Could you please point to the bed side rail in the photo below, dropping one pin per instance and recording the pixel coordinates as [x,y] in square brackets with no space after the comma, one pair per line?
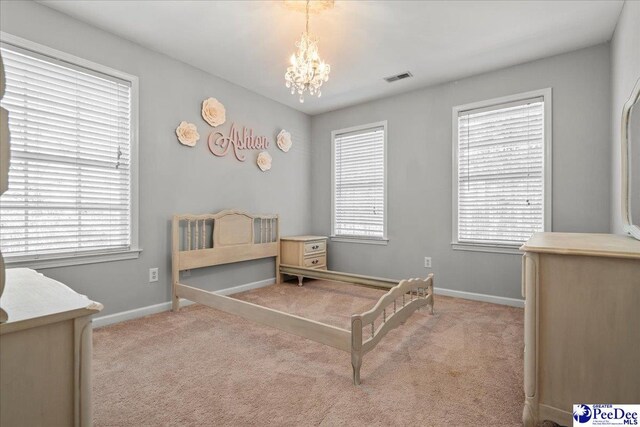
[392,309]
[310,329]
[354,279]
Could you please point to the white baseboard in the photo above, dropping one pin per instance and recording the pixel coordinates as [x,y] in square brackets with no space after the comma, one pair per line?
[513,302]
[111,319]
[247,287]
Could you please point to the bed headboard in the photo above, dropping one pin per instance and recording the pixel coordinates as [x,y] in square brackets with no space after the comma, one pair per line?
[222,238]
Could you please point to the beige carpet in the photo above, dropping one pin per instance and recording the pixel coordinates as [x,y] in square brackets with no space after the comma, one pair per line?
[202,367]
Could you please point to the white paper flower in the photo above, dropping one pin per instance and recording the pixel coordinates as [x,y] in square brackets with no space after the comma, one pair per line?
[187,134]
[284,140]
[264,161]
[213,112]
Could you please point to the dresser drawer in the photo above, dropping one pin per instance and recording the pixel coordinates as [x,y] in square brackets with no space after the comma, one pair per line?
[317,246]
[315,261]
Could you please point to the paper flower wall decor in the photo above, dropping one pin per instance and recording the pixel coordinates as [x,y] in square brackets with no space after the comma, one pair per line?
[187,134]
[264,161]
[284,140]
[213,112]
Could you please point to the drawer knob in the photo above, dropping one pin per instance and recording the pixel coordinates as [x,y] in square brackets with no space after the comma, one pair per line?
[315,261]
[315,247]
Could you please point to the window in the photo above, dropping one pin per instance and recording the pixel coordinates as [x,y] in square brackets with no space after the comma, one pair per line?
[502,171]
[359,183]
[72,174]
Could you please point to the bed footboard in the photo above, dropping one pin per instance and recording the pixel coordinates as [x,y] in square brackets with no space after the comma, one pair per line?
[393,309]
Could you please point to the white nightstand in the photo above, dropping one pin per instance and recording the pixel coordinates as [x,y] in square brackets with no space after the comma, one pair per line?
[304,251]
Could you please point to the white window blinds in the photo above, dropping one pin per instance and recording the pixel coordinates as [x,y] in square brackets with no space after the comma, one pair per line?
[501,173]
[69,180]
[359,183]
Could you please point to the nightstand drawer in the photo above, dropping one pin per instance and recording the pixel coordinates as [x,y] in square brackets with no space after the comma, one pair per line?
[315,261]
[317,246]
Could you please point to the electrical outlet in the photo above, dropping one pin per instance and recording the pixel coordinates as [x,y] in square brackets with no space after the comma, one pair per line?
[427,262]
[153,274]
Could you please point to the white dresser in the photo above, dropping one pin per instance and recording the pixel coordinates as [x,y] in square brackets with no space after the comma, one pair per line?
[582,323]
[45,352]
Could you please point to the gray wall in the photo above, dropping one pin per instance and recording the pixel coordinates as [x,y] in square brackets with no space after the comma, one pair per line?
[174,178]
[419,170]
[625,71]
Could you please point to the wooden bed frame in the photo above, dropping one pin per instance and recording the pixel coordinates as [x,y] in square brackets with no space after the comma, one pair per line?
[233,236]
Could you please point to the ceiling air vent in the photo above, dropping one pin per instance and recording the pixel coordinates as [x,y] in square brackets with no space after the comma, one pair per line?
[397,77]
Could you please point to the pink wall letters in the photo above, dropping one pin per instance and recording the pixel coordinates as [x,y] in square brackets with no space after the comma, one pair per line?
[219,145]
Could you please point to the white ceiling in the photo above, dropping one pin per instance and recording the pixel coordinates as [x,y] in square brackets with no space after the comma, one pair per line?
[249,42]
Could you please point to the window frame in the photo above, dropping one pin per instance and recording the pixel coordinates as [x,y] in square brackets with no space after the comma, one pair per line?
[547,158]
[359,239]
[90,257]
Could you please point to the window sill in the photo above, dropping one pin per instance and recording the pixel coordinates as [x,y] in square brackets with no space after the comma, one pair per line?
[478,247]
[360,240]
[69,260]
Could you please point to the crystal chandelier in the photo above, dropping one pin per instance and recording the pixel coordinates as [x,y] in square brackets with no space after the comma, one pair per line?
[307,71]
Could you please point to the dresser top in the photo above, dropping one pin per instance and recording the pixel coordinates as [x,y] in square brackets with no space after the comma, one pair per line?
[303,238]
[32,299]
[588,244]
